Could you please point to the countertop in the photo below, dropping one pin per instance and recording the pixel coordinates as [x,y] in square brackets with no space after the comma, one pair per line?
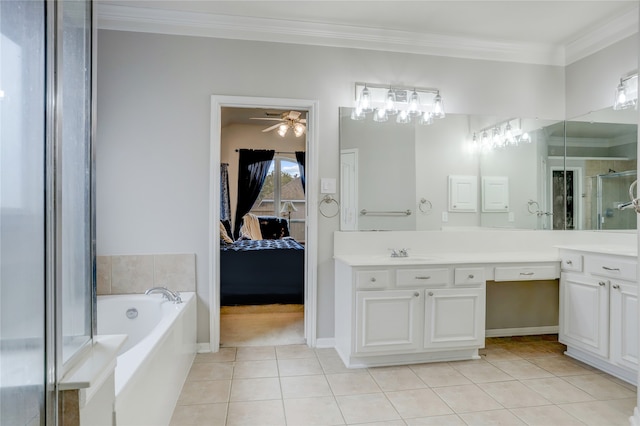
[610,249]
[449,258]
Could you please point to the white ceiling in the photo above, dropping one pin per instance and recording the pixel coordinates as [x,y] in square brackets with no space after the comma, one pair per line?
[546,29]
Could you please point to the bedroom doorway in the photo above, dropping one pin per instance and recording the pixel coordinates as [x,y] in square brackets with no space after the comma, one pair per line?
[263,285]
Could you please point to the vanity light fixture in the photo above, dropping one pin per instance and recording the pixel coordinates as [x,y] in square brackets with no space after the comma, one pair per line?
[407,104]
[500,135]
[626,95]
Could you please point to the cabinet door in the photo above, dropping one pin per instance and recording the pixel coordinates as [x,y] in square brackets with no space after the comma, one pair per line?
[388,321]
[454,318]
[624,324]
[584,313]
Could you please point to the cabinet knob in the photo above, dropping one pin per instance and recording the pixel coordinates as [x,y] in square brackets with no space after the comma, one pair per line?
[471,276]
[568,262]
[430,293]
[602,283]
[616,286]
[416,294]
[373,279]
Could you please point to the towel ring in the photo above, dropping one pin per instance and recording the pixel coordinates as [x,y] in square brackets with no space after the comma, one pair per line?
[328,199]
[530,204]
[424,202]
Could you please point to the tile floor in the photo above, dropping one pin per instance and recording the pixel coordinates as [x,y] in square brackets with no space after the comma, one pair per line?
[518,381]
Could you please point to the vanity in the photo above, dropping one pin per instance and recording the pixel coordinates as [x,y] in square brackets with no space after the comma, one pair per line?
[431,305]
[599,308]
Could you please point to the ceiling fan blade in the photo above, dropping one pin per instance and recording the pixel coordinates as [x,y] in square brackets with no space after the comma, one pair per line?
[302,120]
[294,115]
[268,129]
[268,119]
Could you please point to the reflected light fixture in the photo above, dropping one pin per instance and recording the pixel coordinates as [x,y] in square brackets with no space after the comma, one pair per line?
[626,95]
[282,129]
[500,135]
[407,104]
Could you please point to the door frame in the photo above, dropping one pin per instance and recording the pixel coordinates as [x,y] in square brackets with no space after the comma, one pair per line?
[311,177]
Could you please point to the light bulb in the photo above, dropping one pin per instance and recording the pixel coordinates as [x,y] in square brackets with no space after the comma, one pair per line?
[525,137]
[426,118]
[496,140]
[282,129]
[390,103]
[380,115]
[298,129]
[403,117]
[484,141]
[414,103]
[365,100]
[508,135]
[438,107]
[357,113]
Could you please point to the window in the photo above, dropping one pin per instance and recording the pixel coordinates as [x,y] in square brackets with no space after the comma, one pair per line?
[283,184]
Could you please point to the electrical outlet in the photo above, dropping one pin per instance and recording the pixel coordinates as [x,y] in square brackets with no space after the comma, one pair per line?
[512,217]
[445,217]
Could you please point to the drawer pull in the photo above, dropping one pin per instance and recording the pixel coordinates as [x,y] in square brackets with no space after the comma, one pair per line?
[610,269]
[430,293]
[616,286]
[568,262]
[423,278]
[416,294]
[602,283]
[526,273]
[373,279]
[470,276]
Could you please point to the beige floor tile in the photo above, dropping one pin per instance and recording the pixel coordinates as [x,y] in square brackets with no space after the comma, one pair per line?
[557,390]
[211,371]
[326,352]
[223,355]
[522,369]
[200,415]
[560,366]
[440,374]
[255,389]
[481,372]
[600,387]
[386,423]
[498,354]
[334,364]
[396,378]
[253,413]
[374,407]
[205,392]
[418,403]
[295,351]
[448,420]
[312,411]
[305,386]
[467,398]
[621,382]
[255,369]
[495,417]
[625,406]
[546,415]
[352,384]
[256,353]
[299,367]
[597,413]
[513,394]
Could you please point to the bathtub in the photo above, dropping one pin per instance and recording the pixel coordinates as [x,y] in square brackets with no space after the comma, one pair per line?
[155,360]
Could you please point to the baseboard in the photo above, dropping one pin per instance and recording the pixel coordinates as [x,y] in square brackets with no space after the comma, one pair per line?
[521,331]
[325,342]
[635,419]
[203,348]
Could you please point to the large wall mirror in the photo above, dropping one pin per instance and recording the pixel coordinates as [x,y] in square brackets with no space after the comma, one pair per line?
[549,174]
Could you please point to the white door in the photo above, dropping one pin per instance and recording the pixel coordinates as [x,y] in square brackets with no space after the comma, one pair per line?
[349,189]
[388,321]
[454,318]
[584,313]
[624,324]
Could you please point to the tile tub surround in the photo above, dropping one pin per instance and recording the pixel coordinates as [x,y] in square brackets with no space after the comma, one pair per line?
[524,381]
[125,274]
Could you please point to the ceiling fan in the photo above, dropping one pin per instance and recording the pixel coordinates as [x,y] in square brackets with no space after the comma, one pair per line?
[287,120]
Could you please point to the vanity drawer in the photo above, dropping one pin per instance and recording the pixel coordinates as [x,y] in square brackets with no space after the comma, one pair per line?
[526,273]
[468,276]
[422,277]
[610,267]
[571,261]
[373,279]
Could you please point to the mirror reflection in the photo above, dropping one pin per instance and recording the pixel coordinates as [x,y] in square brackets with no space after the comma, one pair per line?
[492,172]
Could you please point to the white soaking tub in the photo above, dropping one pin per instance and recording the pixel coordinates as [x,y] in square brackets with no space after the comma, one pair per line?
[155,360]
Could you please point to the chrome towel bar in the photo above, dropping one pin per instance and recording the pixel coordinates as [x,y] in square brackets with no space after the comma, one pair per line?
[365,212]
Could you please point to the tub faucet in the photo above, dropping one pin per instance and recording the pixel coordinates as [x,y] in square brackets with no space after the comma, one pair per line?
[172,296]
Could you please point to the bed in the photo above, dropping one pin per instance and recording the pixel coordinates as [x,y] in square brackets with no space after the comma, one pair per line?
[261,272]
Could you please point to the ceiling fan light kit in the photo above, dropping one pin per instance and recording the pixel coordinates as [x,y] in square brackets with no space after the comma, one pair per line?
[405,104]
[289,120]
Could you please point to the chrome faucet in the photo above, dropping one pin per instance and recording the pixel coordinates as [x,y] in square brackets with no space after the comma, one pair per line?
[399,253]
[172,296]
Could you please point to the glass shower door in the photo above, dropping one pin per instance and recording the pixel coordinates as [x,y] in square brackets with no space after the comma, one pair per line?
[613,189]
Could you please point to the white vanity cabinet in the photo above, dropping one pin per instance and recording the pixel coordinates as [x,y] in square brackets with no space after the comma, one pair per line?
[599,311]
[408,313]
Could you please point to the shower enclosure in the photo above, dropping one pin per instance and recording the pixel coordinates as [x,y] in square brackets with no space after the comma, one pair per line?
[46,215]
[609,190]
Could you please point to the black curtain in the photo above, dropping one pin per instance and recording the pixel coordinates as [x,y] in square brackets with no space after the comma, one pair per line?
[300,155]
[225,201]
[253,166]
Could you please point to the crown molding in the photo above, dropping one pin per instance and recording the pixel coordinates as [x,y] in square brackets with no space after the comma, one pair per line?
[605,35]
[138,19]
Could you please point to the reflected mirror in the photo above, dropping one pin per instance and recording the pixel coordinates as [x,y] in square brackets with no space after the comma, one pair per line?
[511,175]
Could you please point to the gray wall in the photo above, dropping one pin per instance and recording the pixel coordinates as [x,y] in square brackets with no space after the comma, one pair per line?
[154,121]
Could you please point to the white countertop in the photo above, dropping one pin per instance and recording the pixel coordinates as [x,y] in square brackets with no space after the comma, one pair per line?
[449,258]
[610,249]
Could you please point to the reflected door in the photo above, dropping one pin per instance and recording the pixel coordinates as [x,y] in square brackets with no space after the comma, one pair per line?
[613,189]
